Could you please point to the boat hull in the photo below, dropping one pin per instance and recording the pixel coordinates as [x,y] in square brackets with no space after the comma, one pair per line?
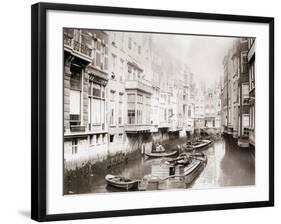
[130,184]
[204,144]
[189,179]
[160,154]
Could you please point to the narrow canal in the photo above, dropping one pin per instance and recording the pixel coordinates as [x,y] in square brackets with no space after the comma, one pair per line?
[228,165]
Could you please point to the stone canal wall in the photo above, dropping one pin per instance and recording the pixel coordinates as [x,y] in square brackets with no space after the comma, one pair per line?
[115,153]
[121,151]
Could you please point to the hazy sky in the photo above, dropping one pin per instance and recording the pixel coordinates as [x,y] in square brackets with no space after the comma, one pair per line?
[203,54]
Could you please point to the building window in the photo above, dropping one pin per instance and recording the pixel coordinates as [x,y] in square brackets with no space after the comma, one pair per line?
[111,138]
[75,102]
[93,140]
[113,39]
[245,93]
[121,76]
[252,117]
[130,43]
[98,139]
[113,66]
[100,54]
[252,75]
[135,47]
[139,109]
[104,136]
[74,146]
[131,116]
[112,108]
[120,136]
[75,81]
[244,62]
[139,49]
[148,109]
[189,112]
[245,124]
[96,104]
[131,98]
[131,113]
[120,108]
[75,98]
[96,90]
[113,60]
[140,98]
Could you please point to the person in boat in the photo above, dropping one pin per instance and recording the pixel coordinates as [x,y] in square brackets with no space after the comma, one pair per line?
[153,147]
[182,159]
[159,148]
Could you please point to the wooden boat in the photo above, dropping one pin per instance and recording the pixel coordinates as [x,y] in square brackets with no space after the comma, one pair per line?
[199,156]
[192,168]
[197,145]
[161,154]
[186,168]
[185,158]
[121,182]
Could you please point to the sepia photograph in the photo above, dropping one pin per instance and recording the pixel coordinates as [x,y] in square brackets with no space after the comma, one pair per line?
[157,111]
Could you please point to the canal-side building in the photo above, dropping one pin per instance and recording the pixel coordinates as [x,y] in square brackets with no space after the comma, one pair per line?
[199,111]
[188,103]
[119,96]
[212,122]
[243,88]
[235,92]
[85,80]
[117,99]
[130,92]
[251,65]
[159,100]
[224,96]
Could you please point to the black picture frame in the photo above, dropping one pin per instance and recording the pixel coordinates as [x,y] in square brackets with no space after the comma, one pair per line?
[39,108]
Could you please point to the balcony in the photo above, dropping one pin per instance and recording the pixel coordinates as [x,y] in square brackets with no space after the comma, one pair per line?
[138,85]
[154,128]
[77,128]
[97,128]
[177,126]
[77,49]
[137,128]
[164,124]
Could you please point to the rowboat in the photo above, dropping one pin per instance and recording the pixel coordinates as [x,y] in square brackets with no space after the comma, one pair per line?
[161,154]
[121,182]
[197,145]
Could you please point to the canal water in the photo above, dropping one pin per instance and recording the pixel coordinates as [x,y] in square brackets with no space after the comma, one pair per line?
[228,165]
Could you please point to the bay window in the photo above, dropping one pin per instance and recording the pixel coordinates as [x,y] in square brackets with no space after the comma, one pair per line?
[96,104]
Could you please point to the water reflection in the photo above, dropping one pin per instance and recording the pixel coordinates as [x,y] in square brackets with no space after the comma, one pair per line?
[227,165]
